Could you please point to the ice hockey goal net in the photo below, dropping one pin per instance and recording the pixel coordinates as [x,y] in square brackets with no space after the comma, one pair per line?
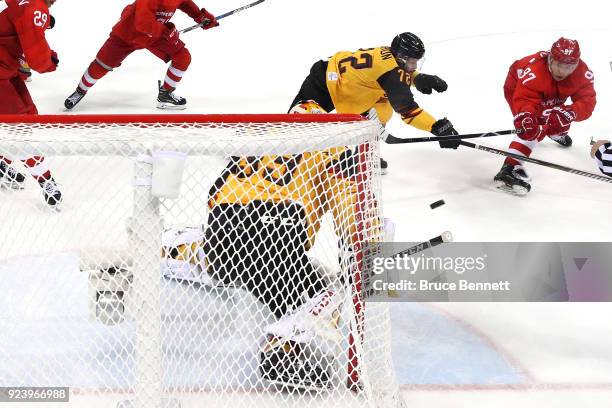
[133,296]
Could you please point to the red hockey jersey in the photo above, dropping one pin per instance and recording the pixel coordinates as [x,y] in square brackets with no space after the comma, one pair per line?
[142,22]
[530,87]
[22,32]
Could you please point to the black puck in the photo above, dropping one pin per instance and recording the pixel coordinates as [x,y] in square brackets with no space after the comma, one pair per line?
[437,204]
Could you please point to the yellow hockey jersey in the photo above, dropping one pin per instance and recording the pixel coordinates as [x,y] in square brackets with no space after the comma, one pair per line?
[316,180]
[370,78]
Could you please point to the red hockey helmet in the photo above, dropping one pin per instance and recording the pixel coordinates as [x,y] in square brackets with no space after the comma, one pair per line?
[565,51]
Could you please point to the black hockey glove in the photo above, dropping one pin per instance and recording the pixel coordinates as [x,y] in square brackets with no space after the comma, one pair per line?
[443,127]
[54,58]
[425,83]
[51,22]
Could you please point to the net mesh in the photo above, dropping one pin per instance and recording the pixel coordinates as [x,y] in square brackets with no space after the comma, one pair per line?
[244,287]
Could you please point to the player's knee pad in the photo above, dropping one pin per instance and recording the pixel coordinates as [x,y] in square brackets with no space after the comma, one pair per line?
[308,106]
[181,59]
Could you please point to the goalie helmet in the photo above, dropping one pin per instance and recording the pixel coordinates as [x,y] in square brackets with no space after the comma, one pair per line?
[407,45]
[565,51]
[308,106]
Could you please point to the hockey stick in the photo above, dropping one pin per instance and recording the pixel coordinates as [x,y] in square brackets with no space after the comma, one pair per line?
[537,161]
[397,140]
[446,236]
[219,17]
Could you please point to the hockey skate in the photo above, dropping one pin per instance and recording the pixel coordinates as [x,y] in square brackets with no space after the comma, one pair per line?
[383,166]
[11,178]
[285,364]
[75,98]
[51,193]
[168,100]
[513,179]
[563,139]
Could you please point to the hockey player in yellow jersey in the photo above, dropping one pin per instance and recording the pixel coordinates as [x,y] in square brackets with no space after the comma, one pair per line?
[264,214]
[380,79]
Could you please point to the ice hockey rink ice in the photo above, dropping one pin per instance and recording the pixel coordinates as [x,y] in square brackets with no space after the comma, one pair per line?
[445,355]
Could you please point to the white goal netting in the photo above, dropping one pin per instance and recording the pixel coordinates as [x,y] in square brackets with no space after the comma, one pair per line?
[236,281]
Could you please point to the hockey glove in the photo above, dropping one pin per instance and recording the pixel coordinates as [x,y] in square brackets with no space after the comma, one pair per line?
[444,127]
[528,128]
[208,19]
[559,119]
[171,34]
[54,59]
[51,22]
[425,83]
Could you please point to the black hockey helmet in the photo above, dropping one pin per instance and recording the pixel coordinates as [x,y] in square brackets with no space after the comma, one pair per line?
[407,45]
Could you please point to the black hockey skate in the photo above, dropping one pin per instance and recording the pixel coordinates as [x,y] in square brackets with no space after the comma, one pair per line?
[168,100]
[383,166]
[10,178]
[284,364]
[51,193]
[513,179]
[75,98]
[563,139]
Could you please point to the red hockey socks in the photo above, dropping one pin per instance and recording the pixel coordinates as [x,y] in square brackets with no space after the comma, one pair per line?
[180,63]
[94,72]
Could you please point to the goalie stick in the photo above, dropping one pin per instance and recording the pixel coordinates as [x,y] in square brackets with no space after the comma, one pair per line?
[398,140]
[537,161]
[446,236]
[219,17]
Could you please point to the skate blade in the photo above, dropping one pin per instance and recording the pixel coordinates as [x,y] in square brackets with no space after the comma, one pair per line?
[514,190]
[169,106]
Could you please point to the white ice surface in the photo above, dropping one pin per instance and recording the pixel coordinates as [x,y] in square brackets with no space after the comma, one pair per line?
[447,355]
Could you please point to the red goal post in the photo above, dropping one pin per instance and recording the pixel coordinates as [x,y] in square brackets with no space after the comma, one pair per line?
[110,217]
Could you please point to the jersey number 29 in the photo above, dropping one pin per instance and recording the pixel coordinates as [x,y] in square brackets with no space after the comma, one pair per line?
[40,18]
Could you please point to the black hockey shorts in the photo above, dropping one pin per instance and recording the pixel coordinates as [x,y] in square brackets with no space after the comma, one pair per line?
[315,88]
[261,246]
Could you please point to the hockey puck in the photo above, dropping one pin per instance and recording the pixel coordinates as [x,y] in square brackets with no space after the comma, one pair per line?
[437,204]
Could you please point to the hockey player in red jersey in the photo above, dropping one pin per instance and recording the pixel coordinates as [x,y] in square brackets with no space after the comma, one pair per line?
[537,89]
[22,38]
[146,24]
